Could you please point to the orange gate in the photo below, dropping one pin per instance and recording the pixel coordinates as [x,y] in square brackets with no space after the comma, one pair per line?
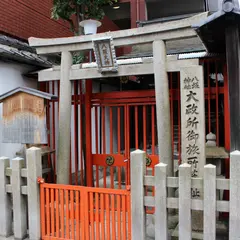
[117,131]
[74,212]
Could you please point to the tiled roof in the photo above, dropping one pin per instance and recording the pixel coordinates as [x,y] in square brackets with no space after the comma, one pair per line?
[15,50]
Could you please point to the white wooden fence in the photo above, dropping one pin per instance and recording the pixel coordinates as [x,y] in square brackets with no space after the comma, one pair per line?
[19,196]
[209,204]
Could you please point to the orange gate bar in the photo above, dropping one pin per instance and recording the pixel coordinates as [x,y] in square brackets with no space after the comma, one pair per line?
[86,213]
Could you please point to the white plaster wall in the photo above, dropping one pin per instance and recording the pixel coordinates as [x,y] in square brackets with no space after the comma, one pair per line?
[11,77]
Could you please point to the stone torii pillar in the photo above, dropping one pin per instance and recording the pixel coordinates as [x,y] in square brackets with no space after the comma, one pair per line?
[162,104]
[64,127]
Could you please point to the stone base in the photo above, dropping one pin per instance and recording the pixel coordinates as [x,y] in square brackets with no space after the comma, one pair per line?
[195,235]
[221,232]
[150,225]
[197,221]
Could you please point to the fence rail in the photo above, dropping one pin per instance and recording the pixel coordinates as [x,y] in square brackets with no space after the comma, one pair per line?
[19,195]
[208,203]
[75,212]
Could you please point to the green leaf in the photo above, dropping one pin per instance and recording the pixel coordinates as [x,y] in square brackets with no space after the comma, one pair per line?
[65,9]
[78,57]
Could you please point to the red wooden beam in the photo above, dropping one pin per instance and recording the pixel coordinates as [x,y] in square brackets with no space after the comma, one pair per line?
[88,136]
[142,10]
[133,10]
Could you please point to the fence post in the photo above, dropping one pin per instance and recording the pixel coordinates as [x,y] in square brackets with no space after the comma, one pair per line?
[138,170]
[234,218]
[185,226]
[161,224]
[19,201]
[34,170]
[209,202]
[5,201]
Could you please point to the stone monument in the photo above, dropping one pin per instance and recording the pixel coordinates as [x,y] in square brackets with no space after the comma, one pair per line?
[193,130]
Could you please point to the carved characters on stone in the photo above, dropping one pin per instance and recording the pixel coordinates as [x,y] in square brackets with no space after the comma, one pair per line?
[192,116]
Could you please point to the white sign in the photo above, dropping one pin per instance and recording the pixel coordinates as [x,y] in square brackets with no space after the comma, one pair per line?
[193,121]
[105,55]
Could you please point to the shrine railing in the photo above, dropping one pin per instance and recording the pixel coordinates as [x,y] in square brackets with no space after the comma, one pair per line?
[194,195]
[19,195]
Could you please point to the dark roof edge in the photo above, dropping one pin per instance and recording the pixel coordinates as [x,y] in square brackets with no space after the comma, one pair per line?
[18,51]
[227,7]
[13,42]
[209,19]
[31,91]
[165,19]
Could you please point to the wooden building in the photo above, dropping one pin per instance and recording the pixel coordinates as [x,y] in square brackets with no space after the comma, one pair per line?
[24,116]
